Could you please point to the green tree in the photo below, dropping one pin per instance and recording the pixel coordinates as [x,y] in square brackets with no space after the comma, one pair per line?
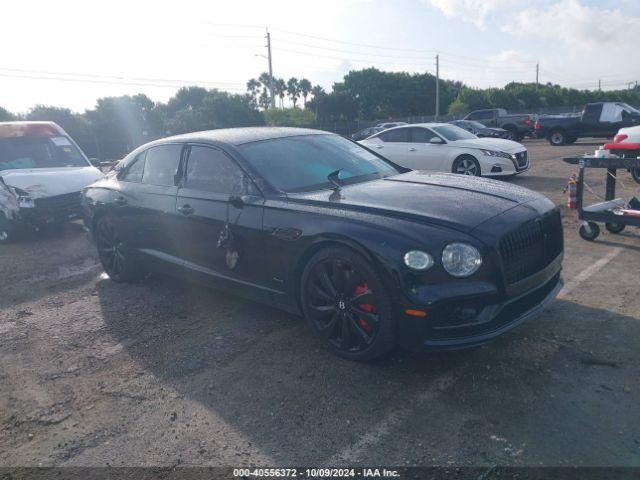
[253,88]
[293,89]
[458,108]
[5,115]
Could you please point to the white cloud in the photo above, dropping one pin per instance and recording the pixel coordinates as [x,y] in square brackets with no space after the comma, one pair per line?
[474,11]
[578,26]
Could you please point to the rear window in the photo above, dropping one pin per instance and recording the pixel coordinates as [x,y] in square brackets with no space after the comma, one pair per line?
[39,152]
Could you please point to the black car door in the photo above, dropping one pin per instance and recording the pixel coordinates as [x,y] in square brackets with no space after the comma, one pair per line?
[221,241]
[145,202]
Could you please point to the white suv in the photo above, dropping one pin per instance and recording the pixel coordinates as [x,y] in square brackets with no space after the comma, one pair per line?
[42,171]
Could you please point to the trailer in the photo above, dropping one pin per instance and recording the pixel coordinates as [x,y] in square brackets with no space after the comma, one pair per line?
[612,212]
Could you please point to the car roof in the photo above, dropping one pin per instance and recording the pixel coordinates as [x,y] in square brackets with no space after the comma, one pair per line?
[239,136]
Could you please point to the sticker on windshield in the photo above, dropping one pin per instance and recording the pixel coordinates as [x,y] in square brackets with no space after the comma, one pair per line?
[61,141]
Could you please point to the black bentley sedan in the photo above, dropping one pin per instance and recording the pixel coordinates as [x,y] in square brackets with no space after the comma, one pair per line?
[372,254]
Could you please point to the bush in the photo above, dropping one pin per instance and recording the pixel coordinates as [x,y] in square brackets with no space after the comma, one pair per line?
[289,117]
[458,108]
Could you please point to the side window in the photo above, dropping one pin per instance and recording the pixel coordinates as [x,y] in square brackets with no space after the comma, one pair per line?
[485,115]
[421,135]
[134,172]
[162,165]
[395,136]
[210,170]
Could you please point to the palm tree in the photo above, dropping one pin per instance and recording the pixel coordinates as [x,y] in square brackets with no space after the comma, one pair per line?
[317,92]
[265,79]
[293,90]
[305,88]
[280,87]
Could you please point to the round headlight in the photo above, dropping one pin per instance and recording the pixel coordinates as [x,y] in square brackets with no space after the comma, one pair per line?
[461,259]
[417,260]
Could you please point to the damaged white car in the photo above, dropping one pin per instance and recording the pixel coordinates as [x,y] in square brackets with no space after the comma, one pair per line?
[42,172]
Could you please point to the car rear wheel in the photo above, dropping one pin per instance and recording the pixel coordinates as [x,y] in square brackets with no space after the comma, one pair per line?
[557,138]
[466,165]
[116,259]
[347,305]
[512,134]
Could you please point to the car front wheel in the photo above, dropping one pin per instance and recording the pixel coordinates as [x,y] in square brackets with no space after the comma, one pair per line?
[116,259]
[347,305]
[466,165]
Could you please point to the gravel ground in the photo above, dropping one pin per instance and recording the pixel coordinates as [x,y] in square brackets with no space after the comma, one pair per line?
[166,373]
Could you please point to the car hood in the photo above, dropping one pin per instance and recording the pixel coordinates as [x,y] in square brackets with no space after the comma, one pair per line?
[48,182]
[499,144]
[453,201]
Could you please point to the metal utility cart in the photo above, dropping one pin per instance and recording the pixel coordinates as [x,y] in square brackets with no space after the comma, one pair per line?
[611,212]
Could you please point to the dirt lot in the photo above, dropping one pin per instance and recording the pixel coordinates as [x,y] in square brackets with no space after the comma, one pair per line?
[164,373]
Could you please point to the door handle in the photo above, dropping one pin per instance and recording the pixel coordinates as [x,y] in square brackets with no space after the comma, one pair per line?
[412,149]
[378,146]
[120,201]
[186,209]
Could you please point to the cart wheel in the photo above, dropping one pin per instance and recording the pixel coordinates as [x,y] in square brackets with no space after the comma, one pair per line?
[589,232]
[614,227]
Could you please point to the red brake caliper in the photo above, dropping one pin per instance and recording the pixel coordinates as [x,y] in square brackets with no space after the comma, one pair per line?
[367,307]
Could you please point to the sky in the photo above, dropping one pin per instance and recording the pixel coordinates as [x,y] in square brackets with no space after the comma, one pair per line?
[70,53]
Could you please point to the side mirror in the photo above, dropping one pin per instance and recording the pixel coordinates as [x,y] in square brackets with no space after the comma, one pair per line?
[236,201]
[435,140]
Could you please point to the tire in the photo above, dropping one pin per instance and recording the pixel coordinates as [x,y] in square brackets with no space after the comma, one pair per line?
[590,233]
[347,305]
[512,134]
[635,174]
[557,137]
[466,165]
[8,230]
[118,261]
[614,227]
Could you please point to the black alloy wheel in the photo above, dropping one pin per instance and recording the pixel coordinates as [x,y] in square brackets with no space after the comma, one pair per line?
[345,303]
[113,253]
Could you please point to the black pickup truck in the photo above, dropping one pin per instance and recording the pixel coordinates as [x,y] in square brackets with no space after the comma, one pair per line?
[517,126]
[598,120]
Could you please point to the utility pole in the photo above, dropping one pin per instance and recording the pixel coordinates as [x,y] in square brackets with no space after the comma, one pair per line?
[437,86]
[271,89]
[599,85]
[537,74]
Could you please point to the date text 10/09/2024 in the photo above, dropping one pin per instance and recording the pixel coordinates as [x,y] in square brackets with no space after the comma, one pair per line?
[315,473]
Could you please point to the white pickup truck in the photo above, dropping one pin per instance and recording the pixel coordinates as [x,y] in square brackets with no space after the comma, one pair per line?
[42,172]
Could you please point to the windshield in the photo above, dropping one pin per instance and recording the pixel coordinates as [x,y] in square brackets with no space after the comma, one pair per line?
[453,133]
[295,164]
[39,152]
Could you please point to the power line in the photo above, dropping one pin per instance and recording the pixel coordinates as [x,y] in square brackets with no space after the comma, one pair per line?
[115,77]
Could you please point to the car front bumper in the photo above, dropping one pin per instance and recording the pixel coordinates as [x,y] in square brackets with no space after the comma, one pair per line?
[441,329]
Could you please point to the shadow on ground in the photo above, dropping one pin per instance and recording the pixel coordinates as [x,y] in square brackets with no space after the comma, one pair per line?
[548,387]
